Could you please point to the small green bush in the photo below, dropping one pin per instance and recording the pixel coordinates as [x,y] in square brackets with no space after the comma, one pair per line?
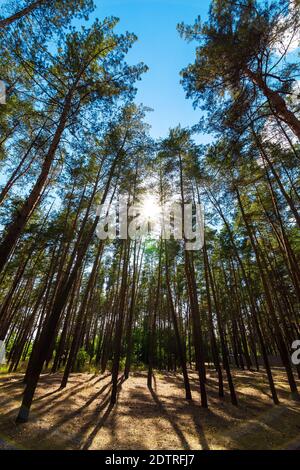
[81,360]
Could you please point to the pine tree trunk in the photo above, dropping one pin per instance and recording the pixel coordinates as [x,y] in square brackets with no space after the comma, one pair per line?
[277,103]
[15,229]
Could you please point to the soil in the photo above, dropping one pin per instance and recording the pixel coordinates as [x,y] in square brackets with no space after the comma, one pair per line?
[80,416]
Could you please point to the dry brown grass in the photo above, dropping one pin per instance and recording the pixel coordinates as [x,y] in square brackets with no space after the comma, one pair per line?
[80,417]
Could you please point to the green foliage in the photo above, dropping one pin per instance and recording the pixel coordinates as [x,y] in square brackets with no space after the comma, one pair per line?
[81,360]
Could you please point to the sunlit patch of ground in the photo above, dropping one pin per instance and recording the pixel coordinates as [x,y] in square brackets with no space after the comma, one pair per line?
[80,417]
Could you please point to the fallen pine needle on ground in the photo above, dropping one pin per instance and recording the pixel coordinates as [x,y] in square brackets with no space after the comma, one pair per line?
[80,416]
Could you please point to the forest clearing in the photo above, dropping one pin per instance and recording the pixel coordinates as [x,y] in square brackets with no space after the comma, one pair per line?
[81,417]
[149,257]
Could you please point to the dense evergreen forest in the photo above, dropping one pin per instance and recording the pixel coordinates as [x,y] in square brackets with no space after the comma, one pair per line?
[73,137]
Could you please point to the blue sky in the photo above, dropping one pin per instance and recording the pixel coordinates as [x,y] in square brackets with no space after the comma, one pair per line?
[161,48]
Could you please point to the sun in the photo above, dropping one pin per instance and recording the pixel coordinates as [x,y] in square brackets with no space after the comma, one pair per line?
[150,208]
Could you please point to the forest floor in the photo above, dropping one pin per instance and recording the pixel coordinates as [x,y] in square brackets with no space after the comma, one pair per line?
[80,416]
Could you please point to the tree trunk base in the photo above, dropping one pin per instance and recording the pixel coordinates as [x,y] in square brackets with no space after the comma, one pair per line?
[23,415]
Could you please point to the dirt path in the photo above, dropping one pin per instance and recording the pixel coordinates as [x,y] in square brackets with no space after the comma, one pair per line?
[80,417]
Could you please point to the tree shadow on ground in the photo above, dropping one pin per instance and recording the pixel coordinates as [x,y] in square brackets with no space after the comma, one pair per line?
[101,422]
[80,416]
[75,388]
[181,436]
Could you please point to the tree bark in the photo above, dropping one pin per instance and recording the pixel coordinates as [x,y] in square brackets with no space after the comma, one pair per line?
[20,14]
[15,229]
[276,101]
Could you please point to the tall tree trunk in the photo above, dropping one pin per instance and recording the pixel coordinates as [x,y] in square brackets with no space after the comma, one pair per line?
[152,326]
[214,347]
[120,322]
[221,332]
[81,319]
[254,312]
[16,228]
[280,340]
[180,349]
[131,315]
[56,310]
[277,103]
